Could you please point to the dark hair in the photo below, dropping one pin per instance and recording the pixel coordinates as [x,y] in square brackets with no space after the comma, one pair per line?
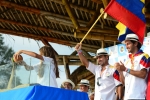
[48,51]
[139,44]
[107,56]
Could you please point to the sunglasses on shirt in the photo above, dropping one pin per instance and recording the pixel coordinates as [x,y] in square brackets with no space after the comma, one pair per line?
[98,79]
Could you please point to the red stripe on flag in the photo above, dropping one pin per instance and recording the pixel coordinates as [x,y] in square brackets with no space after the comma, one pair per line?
[116,75]
[127,18]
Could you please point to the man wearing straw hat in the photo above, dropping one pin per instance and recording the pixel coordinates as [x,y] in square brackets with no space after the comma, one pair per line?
[106,77]
[68,84]
[134,71]
[84,86]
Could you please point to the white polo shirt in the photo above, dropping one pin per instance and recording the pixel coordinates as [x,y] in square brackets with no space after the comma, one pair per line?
[108,82]
[135,88]
[49,77]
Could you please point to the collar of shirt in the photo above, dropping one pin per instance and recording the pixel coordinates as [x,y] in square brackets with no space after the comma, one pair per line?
[131,56]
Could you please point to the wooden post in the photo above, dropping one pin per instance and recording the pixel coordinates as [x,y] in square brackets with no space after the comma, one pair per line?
[66,66]
[103,44]
[114,43]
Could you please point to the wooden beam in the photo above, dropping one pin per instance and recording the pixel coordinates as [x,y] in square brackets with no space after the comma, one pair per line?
[147,15]
[105,3]
[70,13]
[66,66]
[37,11]
[114,43]
[19,7]
[75,6]
[94,17]
[97,1]
[35,27]
[74,53]
[148,22]
[86,53]
[103,44]
[70,63]
[39,37]
[62,21]
[107,31]
[82,8]
[72,57]
[96,37]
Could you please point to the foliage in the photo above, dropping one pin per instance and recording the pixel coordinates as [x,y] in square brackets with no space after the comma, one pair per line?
[6,54]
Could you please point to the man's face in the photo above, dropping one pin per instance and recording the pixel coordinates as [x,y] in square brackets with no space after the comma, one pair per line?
[130,46]
[67,85]
[102,60]
[91,97]
[84,88]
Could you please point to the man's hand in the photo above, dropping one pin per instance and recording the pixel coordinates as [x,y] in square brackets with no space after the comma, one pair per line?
[120,66]
[78,47]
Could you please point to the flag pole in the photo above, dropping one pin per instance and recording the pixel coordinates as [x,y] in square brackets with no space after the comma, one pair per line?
[92,27]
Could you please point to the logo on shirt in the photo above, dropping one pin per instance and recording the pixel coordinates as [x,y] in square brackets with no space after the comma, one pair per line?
[107,74]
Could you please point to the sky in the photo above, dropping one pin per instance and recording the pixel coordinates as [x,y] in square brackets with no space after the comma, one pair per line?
[20,43]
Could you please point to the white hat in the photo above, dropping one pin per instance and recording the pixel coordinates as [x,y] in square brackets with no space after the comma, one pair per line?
[84,82]
[69,81]
[101,52]
[132,37]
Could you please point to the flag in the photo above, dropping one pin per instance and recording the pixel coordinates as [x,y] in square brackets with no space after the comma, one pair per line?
[130,13]
[123,31]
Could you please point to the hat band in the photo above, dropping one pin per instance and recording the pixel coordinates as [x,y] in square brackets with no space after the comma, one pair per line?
[132,38]
[84,83]
[103,53]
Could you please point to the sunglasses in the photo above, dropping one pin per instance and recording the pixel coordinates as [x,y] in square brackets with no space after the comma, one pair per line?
[98,79]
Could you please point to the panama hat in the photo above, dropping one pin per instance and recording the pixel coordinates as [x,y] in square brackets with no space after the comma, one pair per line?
[84,82]
[101,52]
[69,81]
[132,37]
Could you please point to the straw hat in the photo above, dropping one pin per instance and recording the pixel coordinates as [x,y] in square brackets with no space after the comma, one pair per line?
[84,82]
[132,37]
[69,81]
[101,52]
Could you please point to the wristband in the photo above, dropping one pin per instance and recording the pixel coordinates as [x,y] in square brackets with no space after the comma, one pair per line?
[79,52]
[127,70]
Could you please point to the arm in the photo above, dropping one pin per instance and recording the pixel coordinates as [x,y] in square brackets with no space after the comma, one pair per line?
[30,53]
[121,77]
[27,67]
[81,56]
[141,73]
[119,93]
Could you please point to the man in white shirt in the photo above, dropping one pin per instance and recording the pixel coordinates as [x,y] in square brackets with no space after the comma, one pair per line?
[106,77]
[134,71]
[84,86]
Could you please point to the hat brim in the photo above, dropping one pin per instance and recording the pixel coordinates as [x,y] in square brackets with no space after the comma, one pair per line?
[100,55]
[73,85]
[123,42]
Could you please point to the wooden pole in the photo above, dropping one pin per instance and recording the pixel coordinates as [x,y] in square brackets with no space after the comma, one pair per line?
[92,27]
[66,66]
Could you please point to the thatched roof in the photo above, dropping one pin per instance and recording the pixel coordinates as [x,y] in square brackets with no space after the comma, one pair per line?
[61,21]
